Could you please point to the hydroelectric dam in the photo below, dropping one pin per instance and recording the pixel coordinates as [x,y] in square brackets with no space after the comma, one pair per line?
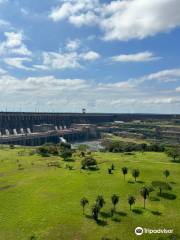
[36,128]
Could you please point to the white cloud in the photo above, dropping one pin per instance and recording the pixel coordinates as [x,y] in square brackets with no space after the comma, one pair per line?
[140,19]
[22,50]
[2,71]
[46,84]
[52,60]
[88,18]
[167,75]
[18,63]
[73,94]
[73,45]
[90,56]
[14,52]
[178,89]
[14,39]
[65,60]
[73,8]
[137,57]
[24,11]
[121,19]
[124,85]
[4,23]
[14,45]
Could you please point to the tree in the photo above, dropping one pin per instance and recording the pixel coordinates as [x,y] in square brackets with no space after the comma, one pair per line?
[131,200]
[124,171]
[173,152]
[100,201]
[33,237]
[135,173]
[115,200]
[166,173]
[43,151]
[109,170]
[82,148]
[95,212]
[88,162]
[161,185]
[83,202]
[144,193]
[112,167]
[66,153]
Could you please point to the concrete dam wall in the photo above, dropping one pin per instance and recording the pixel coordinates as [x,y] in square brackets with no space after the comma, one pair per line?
[23,128]
[16,122]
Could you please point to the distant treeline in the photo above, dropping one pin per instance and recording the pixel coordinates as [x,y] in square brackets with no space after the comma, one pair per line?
[120,146]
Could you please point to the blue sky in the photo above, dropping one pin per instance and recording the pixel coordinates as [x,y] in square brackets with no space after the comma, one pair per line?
[106,56]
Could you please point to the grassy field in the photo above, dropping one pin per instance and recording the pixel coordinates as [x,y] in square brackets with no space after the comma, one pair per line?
[44,201]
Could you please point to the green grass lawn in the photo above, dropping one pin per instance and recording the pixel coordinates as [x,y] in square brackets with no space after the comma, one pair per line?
[44,201]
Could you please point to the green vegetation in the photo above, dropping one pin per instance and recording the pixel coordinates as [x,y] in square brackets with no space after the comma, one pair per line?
[161,185]
[111,145]
[131,201]
[124,171]
[89,163]
[83,203]
[145,194]
[135,173]
[41,199]
[115,200]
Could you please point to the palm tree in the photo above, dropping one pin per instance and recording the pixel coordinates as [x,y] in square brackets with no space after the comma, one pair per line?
[100,201]
[124,171]
[115,200]
[131,200]
[161,185]
[166,173]
[83,203]
[95,212]
[112,167]
[135,173]
[144,193]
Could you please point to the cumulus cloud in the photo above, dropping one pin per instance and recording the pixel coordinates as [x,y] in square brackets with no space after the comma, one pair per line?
[46,84]
[88,18]
[178,89]
[14,39]
[2,71]
[18,63]
[73,45]
[65,60]
[136,57]
[14,52]
[167,75]
[14,44]
[132,84]
[121,19]
[21,50]
[73,8]
[91,55]
[73,94]
[53,60]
